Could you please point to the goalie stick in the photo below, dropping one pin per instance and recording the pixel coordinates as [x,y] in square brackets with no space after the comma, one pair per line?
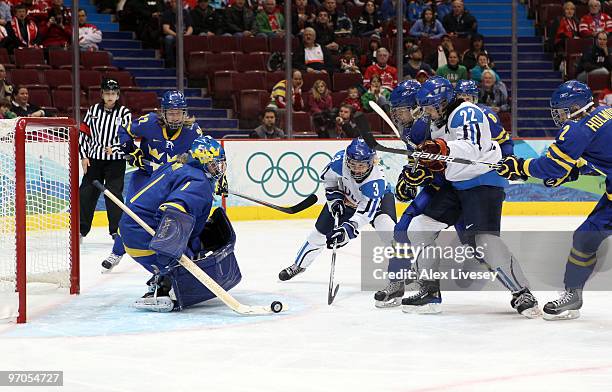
[196,271]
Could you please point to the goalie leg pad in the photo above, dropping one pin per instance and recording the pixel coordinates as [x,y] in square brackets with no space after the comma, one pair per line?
[172,233]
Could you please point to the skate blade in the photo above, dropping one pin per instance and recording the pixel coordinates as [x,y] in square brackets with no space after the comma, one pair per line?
[105,270]
[566,315]
[159,304]
[392,303]
[532,313]
[423,309]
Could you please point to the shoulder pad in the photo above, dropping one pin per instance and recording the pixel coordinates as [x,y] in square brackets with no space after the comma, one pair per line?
[336,162]
[373,189]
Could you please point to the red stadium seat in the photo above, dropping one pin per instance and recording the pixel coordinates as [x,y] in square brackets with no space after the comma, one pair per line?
[461,44]
[249,81]
[274,77]
[252,103]
[277,44]
[205,64]
[570,65]
[353,11]
[30,58]
[343,81]
[375,122]
[577,45]
[5,59]
[598,82]
[26,77]
[58,77]
[548,13]
[40,97]
[124,78]
[61,59]
[255,61]
[62,100]
[310,78]
[196,43]
[301,122]
[254,44]
[224,84]
[98,61]
[141,102]
[339,97]
[352,41]
[220,43]
[90,79]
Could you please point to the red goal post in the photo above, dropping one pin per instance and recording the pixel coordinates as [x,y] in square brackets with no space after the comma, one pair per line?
[39,206]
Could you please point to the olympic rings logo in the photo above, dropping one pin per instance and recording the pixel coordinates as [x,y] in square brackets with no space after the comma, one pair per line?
[288,161]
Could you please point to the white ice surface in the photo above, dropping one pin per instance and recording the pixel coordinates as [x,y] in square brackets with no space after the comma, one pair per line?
[478,344]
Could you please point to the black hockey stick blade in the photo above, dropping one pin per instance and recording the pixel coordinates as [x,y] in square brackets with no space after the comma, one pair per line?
[301,206]
[331,296]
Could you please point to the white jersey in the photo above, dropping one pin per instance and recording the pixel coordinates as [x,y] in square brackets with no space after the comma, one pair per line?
[468,136]
[364,196]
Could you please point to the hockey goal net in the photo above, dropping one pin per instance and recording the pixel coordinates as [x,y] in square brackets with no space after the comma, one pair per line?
[39,236]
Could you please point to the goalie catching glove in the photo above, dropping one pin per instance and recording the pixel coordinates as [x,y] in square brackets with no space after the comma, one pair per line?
[341,235]
[436,146]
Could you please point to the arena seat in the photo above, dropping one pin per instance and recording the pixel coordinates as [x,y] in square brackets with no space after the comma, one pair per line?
[58,77]
[124,78]
[311,78]
[141,101]
[272,78]
[89,78]
[26,77]
[220,43]
[255,61]
[98,61]
[223,81]
[254,44]
[338,97]
[598,82]
[30,58]
[343,81]
[61,59]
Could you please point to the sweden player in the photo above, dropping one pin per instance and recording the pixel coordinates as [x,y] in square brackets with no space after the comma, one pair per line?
[473,193]
[584,138]
[357,194]
[163,137]
[176,201]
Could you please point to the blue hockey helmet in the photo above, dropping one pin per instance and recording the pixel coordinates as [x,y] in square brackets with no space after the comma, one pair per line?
[359,159]
[570,99]
[208,154]
[467,89]
[174,108]
[436,93]
[403,101]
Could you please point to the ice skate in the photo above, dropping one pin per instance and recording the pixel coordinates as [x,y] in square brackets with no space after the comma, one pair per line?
[390,296]
[565,308]
[290,272]
[110,262]
[159,298]
[526,304]
[428,300]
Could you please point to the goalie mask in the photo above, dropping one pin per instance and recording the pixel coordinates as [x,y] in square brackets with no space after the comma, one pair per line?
[359,159]
[208,154]
[174,109]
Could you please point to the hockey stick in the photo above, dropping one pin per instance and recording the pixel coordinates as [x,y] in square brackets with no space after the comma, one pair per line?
[386,119]
[196,271]
[331,292]
[373,143]
[301,206]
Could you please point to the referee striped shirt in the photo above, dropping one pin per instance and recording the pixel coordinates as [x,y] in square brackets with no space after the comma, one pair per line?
[104,131]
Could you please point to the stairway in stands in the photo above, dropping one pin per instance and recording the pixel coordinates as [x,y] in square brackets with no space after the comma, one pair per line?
[536,78]
[150,74]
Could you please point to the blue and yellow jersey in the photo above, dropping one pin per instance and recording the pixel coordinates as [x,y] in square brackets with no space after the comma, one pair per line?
[583,142]
[173,185]
[157,143]
[498,133]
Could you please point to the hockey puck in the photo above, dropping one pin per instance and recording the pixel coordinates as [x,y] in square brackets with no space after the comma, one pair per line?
[276,306]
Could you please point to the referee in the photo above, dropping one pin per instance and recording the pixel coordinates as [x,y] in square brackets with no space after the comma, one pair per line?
[98,160]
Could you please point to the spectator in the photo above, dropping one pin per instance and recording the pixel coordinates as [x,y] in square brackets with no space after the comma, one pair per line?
[21,107]
[596,60]
[57,31]
[279,92]
[89,35]
[443,8]
[6,89]
[5,109]
[416,64]
[595,21]
[470,56]
[324,30]
[422,76]
[269,22]
[375,93]
[389,8]
[268,128]
[605,97]
[416,9]
[239,20]
[459,23]
[142,16]
[387,73]
[312,57]
[440,56]
[204,19]
[22,31]
[302,16]
[5,13]
[353,100]
[349,62]
[36,9]
[322,110]
[169,30]
[349,123]
[427,26]
[483,64]
[567,28]
[493,93]
[342,24]
[373,47]
[370,21]
[453,71]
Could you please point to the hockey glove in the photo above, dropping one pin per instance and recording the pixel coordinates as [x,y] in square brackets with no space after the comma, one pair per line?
[436,146]
[421,176]
[572,175]
[336,207]
[135,159]
[221,189]
[513,168]
[341,235]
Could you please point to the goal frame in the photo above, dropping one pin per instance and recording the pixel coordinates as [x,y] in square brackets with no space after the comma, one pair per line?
[20,205]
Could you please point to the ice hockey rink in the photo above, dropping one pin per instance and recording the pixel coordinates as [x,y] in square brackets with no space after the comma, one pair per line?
[478,343]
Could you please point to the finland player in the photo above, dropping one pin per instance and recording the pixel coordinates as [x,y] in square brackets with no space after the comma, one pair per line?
[357,194]
[473,193]
[176,201]
[163,137]
[585,137]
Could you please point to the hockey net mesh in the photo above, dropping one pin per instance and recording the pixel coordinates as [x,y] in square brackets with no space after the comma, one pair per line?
[47,177]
